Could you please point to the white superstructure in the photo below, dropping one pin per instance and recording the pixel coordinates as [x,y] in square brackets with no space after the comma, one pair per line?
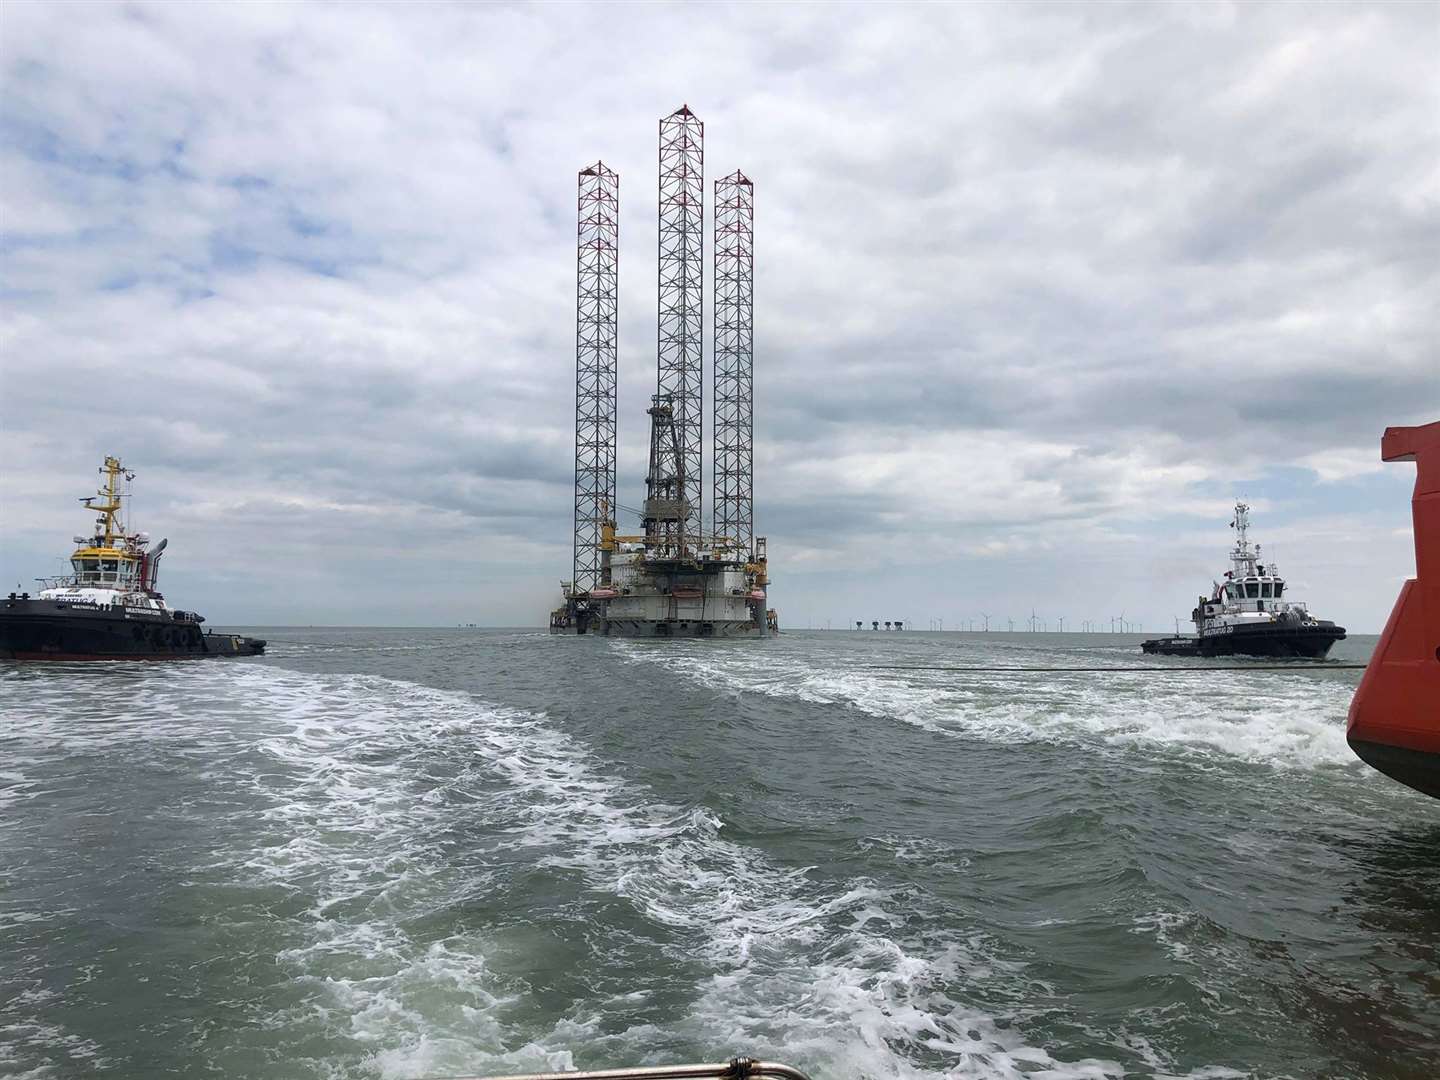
[114,568]
[1252,594]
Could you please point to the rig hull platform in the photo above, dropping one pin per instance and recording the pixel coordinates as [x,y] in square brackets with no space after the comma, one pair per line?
[648,598]
[663,629]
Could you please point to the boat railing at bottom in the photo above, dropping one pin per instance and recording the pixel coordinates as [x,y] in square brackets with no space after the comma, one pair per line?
[734,1069]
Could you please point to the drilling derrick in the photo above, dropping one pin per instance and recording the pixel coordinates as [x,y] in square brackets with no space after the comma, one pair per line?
[665,506]
[734,364]
[680,343]
[597,261]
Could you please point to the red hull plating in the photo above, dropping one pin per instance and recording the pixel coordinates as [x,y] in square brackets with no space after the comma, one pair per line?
[1395,718]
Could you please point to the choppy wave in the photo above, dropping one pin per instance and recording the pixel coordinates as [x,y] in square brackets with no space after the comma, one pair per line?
[1276,718]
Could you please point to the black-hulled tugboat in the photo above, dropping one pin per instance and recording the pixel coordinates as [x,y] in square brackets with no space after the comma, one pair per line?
[109,608]
[1248,615]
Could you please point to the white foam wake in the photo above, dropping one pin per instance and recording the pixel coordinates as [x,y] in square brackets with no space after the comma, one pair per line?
[386,804]
[826,977]
[1276,718]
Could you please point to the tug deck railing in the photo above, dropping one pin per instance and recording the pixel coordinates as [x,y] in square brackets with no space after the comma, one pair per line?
[734,1069]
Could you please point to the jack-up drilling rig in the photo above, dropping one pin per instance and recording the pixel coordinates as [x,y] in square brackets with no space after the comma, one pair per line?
[673,579]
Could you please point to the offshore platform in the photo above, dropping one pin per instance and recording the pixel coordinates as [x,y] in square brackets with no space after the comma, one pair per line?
[671,579]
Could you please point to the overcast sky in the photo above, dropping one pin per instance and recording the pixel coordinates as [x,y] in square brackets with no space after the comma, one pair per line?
[1040,290]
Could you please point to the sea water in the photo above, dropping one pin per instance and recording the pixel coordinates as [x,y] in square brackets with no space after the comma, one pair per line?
[426,853]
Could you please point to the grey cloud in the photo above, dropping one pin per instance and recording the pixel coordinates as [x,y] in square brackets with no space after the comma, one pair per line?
[1106,256]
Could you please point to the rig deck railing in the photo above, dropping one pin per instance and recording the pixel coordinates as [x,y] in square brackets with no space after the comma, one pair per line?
[734,1069]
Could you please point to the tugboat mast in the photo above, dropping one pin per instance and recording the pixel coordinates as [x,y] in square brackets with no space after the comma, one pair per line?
[1242,557]
[106,527]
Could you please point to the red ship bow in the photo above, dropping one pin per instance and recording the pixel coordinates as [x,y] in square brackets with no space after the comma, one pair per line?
[1395,718]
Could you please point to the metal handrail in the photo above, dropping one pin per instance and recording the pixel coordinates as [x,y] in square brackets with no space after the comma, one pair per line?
[734,1069]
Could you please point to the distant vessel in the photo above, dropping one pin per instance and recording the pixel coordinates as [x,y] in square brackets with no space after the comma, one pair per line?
[109,608]
[1248,615]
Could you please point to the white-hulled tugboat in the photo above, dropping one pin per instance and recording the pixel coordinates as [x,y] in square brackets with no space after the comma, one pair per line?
[109,608]
[1248,615]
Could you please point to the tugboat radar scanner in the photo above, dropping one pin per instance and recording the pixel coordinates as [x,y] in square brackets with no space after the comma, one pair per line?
[1394,721]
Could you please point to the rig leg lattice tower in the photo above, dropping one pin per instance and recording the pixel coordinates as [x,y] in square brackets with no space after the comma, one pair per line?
[734,363]
[597,262]
[680,337]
